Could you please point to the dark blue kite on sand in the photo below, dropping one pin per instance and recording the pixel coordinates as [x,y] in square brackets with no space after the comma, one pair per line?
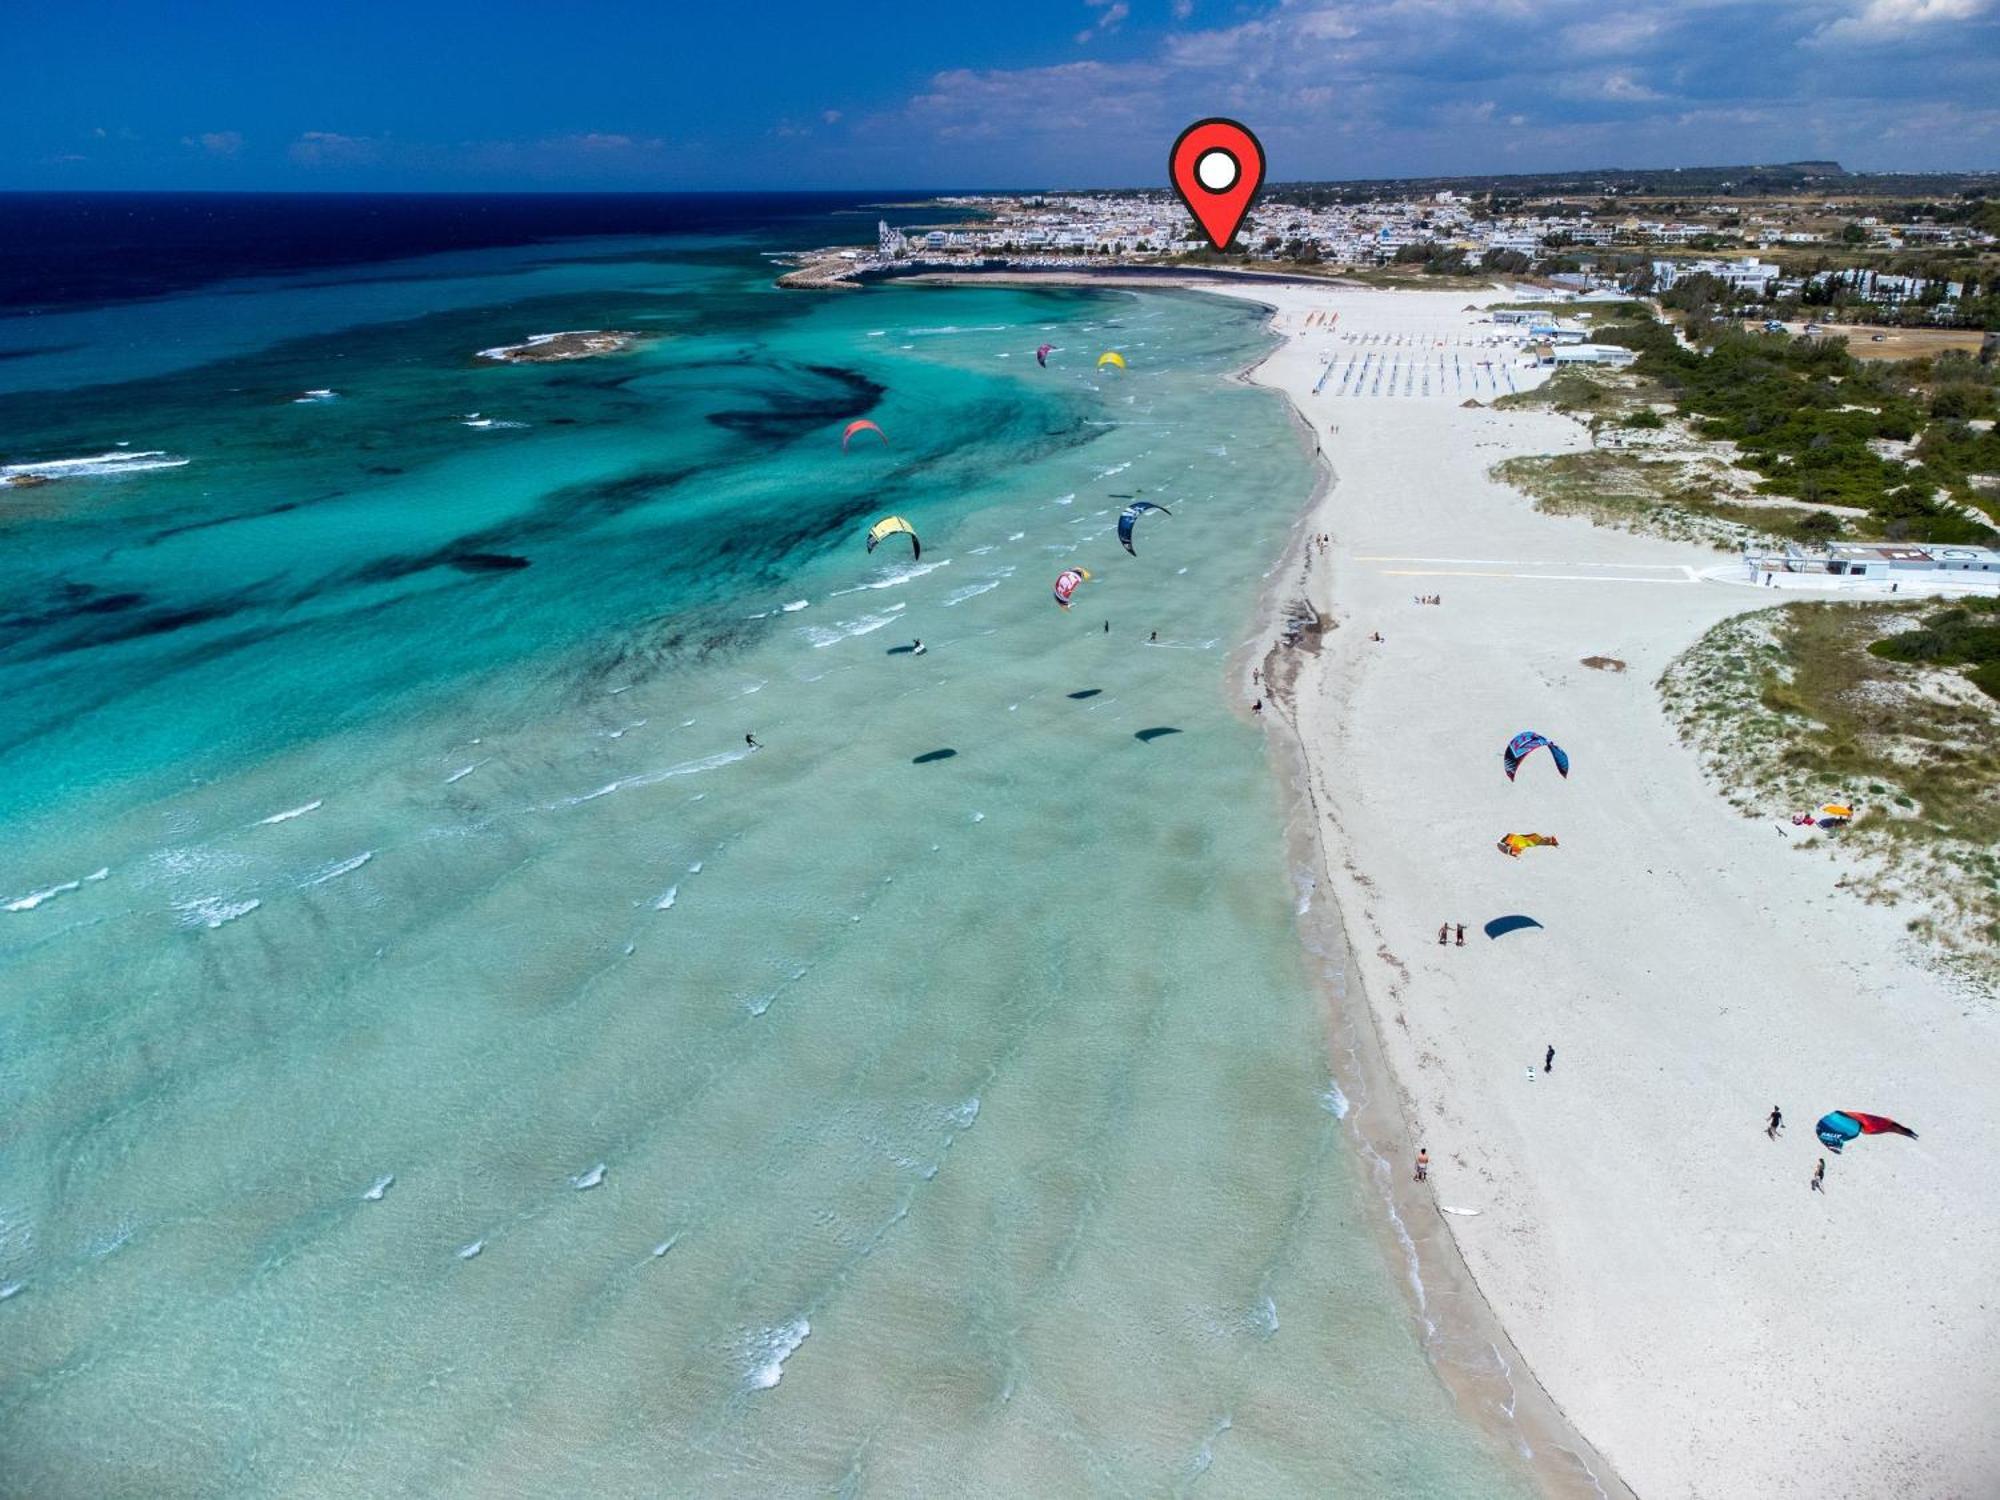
[1526,743]
[1130,514]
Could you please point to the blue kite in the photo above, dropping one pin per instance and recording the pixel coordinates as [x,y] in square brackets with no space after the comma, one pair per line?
[1525,744]
[1130,514]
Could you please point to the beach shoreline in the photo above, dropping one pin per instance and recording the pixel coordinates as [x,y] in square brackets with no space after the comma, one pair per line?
[1461,1335]
[1669,1302]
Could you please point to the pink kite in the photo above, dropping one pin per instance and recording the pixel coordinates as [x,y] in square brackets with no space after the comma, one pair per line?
[861,424]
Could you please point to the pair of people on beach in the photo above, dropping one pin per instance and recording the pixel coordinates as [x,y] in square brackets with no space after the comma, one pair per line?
[1430,598]
[1444,932]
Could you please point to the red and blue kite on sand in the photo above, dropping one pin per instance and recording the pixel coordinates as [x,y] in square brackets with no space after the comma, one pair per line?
[1843,1125]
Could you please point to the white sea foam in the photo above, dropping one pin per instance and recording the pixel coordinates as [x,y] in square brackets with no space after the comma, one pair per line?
[896,577]
[463,771]
[1264,1317]
[1333,1101]
[1069,499]
[12,1289]
[1015,536]
[619,734]
[214,911]
[970,591]
[822,636]
[466,1252]
[770,1348]
[344,867]
[93,464]
[309,398]
[695,868]
[795,606]
[584,1181]
[295,812]
[35,898]
[665,1245]
[666,901]
[102,872]
[382,1185]
[653,778]
[979,817]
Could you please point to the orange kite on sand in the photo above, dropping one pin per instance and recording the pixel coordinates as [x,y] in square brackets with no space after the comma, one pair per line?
[1512,844]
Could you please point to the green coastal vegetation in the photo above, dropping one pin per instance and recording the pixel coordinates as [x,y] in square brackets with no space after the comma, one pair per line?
[1773,437]
[1867,704]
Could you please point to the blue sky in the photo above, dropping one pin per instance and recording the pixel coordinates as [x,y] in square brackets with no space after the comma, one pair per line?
[784,93]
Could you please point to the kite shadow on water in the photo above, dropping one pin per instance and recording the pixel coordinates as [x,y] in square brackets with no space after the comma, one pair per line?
[1499,927]
[1157,732]
[933,755]
[1081,693]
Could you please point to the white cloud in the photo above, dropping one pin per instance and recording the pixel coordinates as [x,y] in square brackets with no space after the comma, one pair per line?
[1113,16]
[329,148]
[1879,20]
[216,142]
[829,116]
[1183,9]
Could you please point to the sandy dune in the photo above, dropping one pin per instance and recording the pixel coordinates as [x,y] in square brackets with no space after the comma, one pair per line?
[1709,1323]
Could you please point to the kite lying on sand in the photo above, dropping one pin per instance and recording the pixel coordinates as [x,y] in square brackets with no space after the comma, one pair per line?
[1843,1125]
[1512,844]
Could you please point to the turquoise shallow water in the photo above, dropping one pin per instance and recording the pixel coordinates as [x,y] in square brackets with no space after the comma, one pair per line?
[933,1101]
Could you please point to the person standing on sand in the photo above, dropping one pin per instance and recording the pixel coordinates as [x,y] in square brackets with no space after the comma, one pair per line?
[1424,1164]
[1819,1176]
[1776,1122]
[1549,1059]
[1444,933]
[1461,934]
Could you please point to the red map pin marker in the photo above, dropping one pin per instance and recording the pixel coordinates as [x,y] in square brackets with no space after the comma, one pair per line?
[1217,167]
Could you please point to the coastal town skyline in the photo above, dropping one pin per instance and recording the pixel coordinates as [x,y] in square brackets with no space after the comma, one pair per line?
[1054,93]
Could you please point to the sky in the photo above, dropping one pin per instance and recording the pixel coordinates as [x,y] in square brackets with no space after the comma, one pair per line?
[674,94]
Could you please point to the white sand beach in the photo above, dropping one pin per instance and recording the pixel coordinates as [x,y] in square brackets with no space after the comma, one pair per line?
[1710,1324]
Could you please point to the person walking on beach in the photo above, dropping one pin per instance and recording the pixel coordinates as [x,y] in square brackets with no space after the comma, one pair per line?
[1819,1176]
[1549,1059]
[1444,933]
[1776,1122]
[1424,1164]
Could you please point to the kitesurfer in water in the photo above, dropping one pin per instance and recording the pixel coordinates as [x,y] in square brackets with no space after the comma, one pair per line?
[751,741]
[917,648]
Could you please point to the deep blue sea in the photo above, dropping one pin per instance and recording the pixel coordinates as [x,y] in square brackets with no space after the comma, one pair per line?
[439,1055]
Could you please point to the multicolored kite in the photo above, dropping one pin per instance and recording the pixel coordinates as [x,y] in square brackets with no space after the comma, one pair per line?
[1131,514]
[887,527]
[1843,1125]
[1042,355]
[861,424]
[1526,743]
[1067,583]
[1512,844]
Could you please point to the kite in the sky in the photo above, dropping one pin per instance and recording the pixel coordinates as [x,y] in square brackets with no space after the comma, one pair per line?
[861,424]
[1130,515]
[1526,743]
[887,527]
